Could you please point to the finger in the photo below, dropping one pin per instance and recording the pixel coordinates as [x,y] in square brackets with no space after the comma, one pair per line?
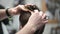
[28,6]
[26,10]
[22,7]
[44,16]
[41,13]
[36,11]
[45,22]
[44,19]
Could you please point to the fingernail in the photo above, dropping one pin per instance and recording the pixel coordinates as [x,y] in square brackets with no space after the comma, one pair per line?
[41,13]
[35,11]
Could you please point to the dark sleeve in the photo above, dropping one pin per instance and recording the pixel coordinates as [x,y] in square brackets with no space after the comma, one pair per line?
[5,21]
[1,31]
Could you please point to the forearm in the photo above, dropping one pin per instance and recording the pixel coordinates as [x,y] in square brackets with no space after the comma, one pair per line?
[12,11]
[27,29]
[2,14]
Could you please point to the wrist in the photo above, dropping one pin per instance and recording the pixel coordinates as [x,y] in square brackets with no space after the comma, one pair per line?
[27,29]
[11,11]
[32,27]
[7,12]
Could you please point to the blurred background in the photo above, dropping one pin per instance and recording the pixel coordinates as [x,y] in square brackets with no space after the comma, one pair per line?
[50,7]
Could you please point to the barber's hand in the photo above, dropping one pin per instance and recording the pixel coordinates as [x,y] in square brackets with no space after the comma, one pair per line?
[16,10]
[37,20]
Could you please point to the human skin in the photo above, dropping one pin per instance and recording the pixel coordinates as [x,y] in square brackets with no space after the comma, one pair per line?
[35,22]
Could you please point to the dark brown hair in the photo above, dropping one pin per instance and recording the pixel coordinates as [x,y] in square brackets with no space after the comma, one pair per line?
[24,17]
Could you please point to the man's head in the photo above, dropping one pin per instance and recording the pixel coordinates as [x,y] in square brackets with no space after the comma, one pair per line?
[24,17]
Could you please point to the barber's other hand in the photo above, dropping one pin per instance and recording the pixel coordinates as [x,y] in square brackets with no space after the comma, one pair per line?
[16,10]
[37,20]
